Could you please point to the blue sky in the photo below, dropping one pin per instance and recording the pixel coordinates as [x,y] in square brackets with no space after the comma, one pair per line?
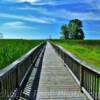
[35,19]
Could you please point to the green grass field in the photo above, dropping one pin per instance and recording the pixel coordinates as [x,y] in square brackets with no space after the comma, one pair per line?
[87,50]
[11,50]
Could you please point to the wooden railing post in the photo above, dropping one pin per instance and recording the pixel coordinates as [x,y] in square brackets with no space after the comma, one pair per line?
[17,79]
[81,78]
[0,91]
[98,88]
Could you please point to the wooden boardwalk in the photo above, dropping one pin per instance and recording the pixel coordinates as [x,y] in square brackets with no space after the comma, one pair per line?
[56,82]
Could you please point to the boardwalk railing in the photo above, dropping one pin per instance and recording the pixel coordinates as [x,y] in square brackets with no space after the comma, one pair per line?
[14,76]
[88,78]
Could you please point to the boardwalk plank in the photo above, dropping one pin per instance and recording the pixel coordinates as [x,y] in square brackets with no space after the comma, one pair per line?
[56,82]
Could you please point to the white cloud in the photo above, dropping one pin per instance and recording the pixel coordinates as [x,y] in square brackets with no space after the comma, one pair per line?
[29,18]
[95,4]
[31,1]
[27,8]
[81,15]
[15,25]
[51,2]
[64,13]
[51,16]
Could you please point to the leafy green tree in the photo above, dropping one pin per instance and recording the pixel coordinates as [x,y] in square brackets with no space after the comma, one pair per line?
[73,30]
[75,27]
[80,34]
[65,31]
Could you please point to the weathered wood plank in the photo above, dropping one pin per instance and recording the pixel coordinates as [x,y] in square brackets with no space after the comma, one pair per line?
[56,82]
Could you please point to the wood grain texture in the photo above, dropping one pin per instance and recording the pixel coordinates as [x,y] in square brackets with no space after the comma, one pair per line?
[56,82]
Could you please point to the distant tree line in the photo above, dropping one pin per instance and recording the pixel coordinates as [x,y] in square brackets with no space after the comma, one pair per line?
[73,30]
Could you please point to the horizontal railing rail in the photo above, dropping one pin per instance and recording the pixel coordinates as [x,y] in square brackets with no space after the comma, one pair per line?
[13,76]
[88,78]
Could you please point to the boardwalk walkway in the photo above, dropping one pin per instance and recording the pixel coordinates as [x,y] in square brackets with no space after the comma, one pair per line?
[56,82]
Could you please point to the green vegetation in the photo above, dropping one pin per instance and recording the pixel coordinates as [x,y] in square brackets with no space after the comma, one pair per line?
[72,30]
[10,50]
[87,50]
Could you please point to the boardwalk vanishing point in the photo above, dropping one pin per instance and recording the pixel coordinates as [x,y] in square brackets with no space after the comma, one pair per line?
[48,72]
[56,82]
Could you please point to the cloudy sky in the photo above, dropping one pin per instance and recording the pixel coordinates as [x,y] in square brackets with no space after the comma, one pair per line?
[34,19]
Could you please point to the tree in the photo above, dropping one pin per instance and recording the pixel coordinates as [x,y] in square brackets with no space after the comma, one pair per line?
[65,31]
[73,30]
[80,35]
[75,27]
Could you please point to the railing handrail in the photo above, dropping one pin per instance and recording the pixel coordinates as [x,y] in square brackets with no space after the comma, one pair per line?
[14,77]
[13,65]
[88,78]
[77,60]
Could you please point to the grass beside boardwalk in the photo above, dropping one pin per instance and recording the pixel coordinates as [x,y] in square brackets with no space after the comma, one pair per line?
[11,50]
[87,50]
